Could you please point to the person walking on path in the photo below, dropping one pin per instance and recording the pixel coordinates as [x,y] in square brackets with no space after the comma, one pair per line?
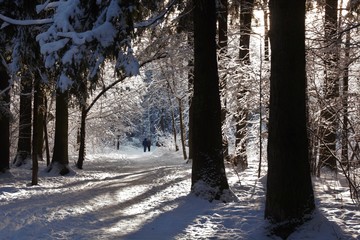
[148,144]
[144,143]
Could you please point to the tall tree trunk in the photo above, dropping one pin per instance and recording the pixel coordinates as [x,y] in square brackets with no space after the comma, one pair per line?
[82,138]
[266,31]
[5,117]
[24,140]
[345,140]
[173,123]
[289,194]
[329,123]
[246,12]
[241,132]
[60,158]
[223,44]
[46,137]
[208,164]
[182,128]
[38,136]
[191,108]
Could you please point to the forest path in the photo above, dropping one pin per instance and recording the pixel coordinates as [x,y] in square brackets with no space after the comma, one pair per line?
[112,196]
[129,194]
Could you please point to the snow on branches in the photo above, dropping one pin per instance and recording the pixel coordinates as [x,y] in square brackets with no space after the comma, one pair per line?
[85,33]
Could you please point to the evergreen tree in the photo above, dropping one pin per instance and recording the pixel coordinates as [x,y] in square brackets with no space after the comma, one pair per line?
[223,45]
[208,171]
[24,140]
[331,88]
[60,159]
[289,194]
[5,117]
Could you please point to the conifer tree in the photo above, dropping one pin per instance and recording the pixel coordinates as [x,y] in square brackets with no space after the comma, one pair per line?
[289,194]
[208,171]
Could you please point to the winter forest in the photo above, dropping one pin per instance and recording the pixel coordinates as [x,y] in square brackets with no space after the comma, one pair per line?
[251,107]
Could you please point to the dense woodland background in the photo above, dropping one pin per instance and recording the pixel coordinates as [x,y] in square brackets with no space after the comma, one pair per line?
[79,76]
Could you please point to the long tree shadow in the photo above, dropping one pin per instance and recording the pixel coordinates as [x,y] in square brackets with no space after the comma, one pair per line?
[173,223]
[89,221]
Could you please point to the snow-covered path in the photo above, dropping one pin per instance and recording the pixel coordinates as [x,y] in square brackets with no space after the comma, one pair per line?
[134,195]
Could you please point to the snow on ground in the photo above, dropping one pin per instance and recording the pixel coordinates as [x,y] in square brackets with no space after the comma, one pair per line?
[129,194]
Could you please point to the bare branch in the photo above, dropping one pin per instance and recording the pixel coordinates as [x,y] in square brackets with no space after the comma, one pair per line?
[154,20]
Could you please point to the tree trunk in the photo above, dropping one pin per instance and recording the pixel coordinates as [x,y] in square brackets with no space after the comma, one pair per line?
[345,140]
[246,12]
[24,140]
[82,139]
[208,168]
[173,123]
[266,31]
[5,117]
[241,133]
[223,44]
[60,158]
[289,194]
[191,108]
[182,128]
[329,123]
[46,137]
[38,137]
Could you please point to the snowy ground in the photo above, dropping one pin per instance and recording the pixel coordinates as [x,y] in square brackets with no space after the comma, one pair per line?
[129,194]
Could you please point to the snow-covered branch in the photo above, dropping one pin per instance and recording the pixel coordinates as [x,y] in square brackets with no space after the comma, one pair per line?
[29,22]
[155,19]
[76,37]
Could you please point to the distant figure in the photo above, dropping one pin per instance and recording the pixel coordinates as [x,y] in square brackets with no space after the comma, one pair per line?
[148,144]
[144,143]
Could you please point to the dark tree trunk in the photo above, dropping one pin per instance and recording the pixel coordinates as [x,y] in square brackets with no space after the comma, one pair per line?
[24,140]
[208,163]
[241,133]
[190,41]
[266,31]
[329,123]
[82,139]
[5,117]
[345,105]
[223,44]
[60,158]
[173,123]
[38,136]
[289,194]
[46,137]
[182,128]
[246,12]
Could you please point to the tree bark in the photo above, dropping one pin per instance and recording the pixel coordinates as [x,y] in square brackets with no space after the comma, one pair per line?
[289,196]
[208,168]
[60,158]
[345,105]
[191,108]
[24,140]
[246,12]
[81,158]
[182,128]
[5,117]
[266,31]
[329,123]
[223,44]
[38,121]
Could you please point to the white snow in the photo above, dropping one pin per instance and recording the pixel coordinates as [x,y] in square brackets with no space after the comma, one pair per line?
[129,194]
